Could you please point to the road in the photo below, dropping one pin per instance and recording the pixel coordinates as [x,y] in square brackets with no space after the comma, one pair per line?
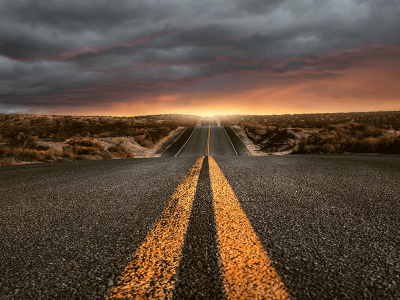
[299,227]
[217,140]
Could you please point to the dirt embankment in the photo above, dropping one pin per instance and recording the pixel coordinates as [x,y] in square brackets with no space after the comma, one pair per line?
[342,138]
[282,142]
[285,141]
[354,132]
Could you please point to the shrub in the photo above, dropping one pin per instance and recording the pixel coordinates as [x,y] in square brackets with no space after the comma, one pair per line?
[49,156]
[16,139]
[6,152]
[327,148]
[29,154]
[81,150]
[88,157]
[308,149]
[85,143]
[144,143]
[368,145]
[350,137]
[108,155]
[67,153]
[121,152]
[8,161]
[30,143]
[386,127]
[388,144]
[42,147]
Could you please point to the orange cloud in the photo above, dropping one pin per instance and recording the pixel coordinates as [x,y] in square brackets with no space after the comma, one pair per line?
[364,79]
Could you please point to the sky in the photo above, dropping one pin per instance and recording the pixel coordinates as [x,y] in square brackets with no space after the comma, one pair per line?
[203,57]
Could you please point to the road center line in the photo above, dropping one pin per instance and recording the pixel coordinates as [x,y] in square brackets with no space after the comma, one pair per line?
[199,272]
[246,269]
[151,273]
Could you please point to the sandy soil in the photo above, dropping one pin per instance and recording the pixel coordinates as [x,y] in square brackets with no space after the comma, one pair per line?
[282,142]
[53,145]
[255,150]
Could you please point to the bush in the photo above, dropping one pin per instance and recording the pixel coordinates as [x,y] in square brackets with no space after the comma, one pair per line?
[88,157]
[29,154]
[8,161]
[308,149]
[67,153]
[368,145]
[6,152]
[42,148]
[49,156]
[81,150]
[388,144]
[350,137]
[144,143]
[327,148]
[85,143]
[16,139]
[30,143]
[108,155]
[121,152]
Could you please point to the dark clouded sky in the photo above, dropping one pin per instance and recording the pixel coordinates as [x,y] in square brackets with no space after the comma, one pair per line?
[120,57]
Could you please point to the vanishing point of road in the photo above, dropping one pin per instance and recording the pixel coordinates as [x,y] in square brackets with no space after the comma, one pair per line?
[204,221]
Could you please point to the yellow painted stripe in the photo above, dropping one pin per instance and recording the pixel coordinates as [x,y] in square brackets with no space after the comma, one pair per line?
[151,273]
[208,142]
[246,269]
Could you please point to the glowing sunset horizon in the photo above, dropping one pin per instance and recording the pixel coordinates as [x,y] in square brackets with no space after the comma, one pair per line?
[203,58]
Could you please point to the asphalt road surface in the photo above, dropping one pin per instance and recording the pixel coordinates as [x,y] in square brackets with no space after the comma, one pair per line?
[299,227]
[217,140]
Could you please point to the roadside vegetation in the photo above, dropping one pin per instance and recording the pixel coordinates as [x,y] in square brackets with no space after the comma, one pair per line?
[31,138]
[370,132]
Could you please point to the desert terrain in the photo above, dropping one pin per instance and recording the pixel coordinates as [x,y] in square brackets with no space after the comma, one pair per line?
[26,139]
[361,132]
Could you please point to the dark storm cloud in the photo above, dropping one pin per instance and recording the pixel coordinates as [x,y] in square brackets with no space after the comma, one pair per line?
[68,49]
[75,16]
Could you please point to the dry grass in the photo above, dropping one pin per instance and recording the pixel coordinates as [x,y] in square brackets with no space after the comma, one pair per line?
[120,152]
[24,137]
[86,149]
[84,142]
[387,119]
[371,132]
[8,161]
[351,138]
[9,155]
[61,128]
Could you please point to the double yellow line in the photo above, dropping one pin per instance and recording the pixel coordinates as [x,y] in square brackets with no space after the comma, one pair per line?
[246,269]
[208,142]
[151,273]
